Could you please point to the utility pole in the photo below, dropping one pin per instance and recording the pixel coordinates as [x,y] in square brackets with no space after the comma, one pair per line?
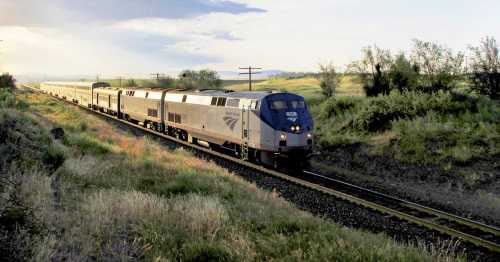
[0,42]
[250,73]
[466,65]
[157,77]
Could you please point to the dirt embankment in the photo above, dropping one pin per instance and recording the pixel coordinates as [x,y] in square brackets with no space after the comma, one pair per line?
[471,190]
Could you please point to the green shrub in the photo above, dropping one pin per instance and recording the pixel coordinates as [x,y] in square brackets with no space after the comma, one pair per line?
[23,141]
[378,114]
[404,75]
[338,106]
[21,105]
[7,99]
[458,139]
[54,156]
[329,79]
[206,78]
[441,69]
[7,81]
[380,85]
[86,143]
[486,68]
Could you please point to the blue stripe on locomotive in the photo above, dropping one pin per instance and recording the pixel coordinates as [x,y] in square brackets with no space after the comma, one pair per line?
[283,119]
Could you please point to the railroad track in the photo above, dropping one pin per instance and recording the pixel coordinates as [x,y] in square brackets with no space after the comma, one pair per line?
[467,230]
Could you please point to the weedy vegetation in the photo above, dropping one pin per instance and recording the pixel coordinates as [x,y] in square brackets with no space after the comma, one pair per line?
[115,196]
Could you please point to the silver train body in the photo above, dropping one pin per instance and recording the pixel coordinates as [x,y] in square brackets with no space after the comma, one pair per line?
[257,126]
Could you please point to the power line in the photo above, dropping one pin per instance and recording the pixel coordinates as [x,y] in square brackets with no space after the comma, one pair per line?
[250,73]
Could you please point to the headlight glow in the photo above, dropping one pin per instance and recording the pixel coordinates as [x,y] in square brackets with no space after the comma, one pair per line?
[283,137]
[309,135]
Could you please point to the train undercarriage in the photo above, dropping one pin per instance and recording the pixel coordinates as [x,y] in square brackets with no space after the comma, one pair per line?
[270,159]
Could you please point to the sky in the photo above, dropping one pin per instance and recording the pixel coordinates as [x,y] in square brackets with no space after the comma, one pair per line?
[139,37]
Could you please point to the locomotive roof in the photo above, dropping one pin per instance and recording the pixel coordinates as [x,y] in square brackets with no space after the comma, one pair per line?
[79,84]
[222,93]
[107,90]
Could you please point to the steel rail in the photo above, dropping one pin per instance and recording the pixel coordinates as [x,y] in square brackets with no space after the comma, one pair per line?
[435,215]
[428,223]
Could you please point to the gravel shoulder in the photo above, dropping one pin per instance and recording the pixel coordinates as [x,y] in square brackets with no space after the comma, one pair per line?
[426,184]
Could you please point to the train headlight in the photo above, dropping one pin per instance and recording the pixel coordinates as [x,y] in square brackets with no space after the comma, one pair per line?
[309,135]
[283,137]
[295,128]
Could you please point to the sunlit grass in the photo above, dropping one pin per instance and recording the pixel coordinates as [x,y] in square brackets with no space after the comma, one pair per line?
[309,87]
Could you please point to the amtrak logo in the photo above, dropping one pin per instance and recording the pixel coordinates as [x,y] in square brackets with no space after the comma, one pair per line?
[292,116]
[230,122]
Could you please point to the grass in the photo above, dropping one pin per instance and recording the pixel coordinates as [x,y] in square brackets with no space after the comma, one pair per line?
[442,128]
[136,200]
[307,87]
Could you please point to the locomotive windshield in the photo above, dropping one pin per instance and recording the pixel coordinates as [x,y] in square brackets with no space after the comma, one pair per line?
[278,105]
[282,104]
[298,104]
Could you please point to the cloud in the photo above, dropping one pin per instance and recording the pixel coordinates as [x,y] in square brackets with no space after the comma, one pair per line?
[130,9]
[223,35]
[53,12]
[30,13]
[121,36]
[80,36]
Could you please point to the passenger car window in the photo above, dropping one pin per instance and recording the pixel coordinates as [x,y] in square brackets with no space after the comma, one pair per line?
[184,98]
[233,103]
[298,104]
[221,101]
[278,105]
[214,101]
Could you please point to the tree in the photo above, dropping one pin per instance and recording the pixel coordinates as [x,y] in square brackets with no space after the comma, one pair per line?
[440,67]
[404,75]
[486,68]
[7,81]
[131,83]
[328,79]
[166,82]
[373,70]
[206,78]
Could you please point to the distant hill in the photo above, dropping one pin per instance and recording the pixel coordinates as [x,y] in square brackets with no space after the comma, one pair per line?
[225,75]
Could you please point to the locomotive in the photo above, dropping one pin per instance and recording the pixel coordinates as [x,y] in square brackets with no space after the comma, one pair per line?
[255,126]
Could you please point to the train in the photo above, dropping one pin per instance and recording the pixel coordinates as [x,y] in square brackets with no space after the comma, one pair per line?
[259,126]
